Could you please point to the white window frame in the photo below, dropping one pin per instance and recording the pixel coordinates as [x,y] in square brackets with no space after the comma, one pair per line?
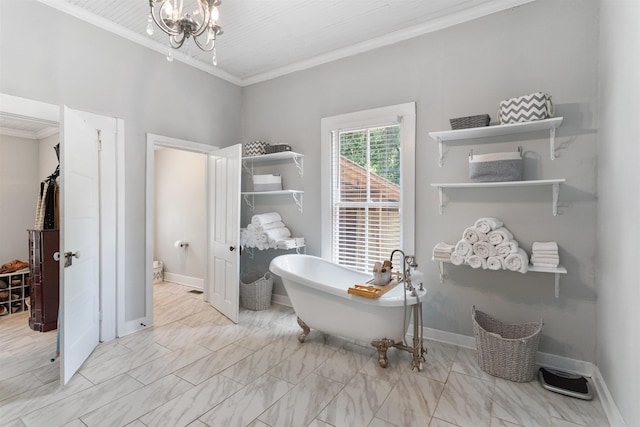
[403,114]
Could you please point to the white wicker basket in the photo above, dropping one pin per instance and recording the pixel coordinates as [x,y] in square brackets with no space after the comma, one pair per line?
[504,350]
[255,293]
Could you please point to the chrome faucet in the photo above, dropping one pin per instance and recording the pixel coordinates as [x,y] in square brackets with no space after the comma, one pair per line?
[408,262]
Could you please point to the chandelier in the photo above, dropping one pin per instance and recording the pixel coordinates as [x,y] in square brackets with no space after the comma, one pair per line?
[201,23]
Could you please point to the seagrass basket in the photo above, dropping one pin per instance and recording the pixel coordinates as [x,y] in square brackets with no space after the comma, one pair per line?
[470,121]
[255,292]
[506,350]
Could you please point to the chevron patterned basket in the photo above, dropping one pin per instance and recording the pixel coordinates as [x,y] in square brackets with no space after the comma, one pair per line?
[526,108]
[255,148]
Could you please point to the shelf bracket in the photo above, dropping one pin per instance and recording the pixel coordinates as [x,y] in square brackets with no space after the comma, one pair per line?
[440,152]
[299,162]
[245,167]
[297,198]
[249,203]
[556,191]
[441,270]
[557,279]
[552,142]
[441,204]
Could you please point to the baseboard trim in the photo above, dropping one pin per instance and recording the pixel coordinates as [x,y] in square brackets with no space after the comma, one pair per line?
[281,299]
[608,404]
[194,282]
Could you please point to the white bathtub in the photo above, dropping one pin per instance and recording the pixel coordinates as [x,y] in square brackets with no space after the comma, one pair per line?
[318,292]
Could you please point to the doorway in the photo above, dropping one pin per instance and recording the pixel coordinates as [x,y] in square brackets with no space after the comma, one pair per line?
[104,250]
[182,248]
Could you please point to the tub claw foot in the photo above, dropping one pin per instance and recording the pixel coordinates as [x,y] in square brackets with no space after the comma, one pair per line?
[383,345]
[305,330]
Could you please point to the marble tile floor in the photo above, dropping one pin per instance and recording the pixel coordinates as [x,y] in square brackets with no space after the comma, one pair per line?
[195,368]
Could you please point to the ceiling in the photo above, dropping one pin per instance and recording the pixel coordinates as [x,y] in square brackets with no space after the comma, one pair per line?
[264,39]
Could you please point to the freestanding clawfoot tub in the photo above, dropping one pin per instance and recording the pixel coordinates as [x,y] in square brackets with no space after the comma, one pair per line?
[318,288]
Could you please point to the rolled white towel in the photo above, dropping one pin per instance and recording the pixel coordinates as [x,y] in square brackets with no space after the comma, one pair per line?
[544,246]
[484,249]
[506,248]
[276,234]
[495,263]
[244,237]
[457,258]
[486,225]
[499,235]
[518,261]
[253,228]
[473,235]
[270,225]
[477,262]
[464,248]
[265,218]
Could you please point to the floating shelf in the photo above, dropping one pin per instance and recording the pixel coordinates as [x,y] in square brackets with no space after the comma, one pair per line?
[299,250]
[297,158]
[296,194]
[555,186]
[557,271]
[498,130]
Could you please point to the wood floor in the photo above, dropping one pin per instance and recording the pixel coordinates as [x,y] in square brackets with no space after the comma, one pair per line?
[196,368]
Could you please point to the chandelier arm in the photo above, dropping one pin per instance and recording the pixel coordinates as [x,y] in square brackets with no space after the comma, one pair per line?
[206,15]
[159,22]
[174,43]
[207,47]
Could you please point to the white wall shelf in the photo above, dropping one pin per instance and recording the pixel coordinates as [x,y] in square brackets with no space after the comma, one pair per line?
[554,183]
[296,194]
[299,250]
[557,271]
[297,158]
[552,124]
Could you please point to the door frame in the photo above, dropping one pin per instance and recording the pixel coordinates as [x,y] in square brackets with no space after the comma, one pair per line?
[154,140]
[111,200]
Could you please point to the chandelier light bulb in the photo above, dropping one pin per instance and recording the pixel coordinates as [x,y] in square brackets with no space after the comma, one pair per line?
[170,54]
[214,14]
[215,58]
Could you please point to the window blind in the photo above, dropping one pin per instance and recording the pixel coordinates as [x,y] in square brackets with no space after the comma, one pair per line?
[366,222]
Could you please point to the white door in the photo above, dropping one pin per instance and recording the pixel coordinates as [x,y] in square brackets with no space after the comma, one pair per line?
[224,225]
[79,243]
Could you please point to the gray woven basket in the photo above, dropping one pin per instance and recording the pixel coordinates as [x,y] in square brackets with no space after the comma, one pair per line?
[480,120]
[504,350]
[256,294]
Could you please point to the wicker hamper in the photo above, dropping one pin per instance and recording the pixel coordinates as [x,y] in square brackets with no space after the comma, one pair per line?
[480,120]
[504,350]
[255,292]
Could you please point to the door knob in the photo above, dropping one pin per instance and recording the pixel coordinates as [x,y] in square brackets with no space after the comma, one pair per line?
[68,258]
[56,256]
[232,248]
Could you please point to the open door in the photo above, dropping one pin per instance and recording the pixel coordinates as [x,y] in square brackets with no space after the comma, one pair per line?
[79,326]
[223,279]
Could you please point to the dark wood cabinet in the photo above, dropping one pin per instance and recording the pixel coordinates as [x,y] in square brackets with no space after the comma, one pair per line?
[45,279]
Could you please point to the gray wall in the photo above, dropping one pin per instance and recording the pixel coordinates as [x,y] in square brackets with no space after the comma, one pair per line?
[19,188]
[180,204]
[543,46]
[62,60]
[618,233]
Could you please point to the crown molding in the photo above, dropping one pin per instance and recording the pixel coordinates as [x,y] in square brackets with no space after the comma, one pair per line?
[18,133]
[137,38]
[433,25]
[436,24]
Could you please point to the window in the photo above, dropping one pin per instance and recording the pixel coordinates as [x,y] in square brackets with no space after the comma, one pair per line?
[368,185]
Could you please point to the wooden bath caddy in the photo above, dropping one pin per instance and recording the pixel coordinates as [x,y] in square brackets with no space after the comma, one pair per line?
[368,290]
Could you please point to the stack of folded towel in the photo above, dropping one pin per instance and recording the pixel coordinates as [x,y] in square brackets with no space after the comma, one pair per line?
[268,231]
[545,254]
[442,251]
[488,244]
